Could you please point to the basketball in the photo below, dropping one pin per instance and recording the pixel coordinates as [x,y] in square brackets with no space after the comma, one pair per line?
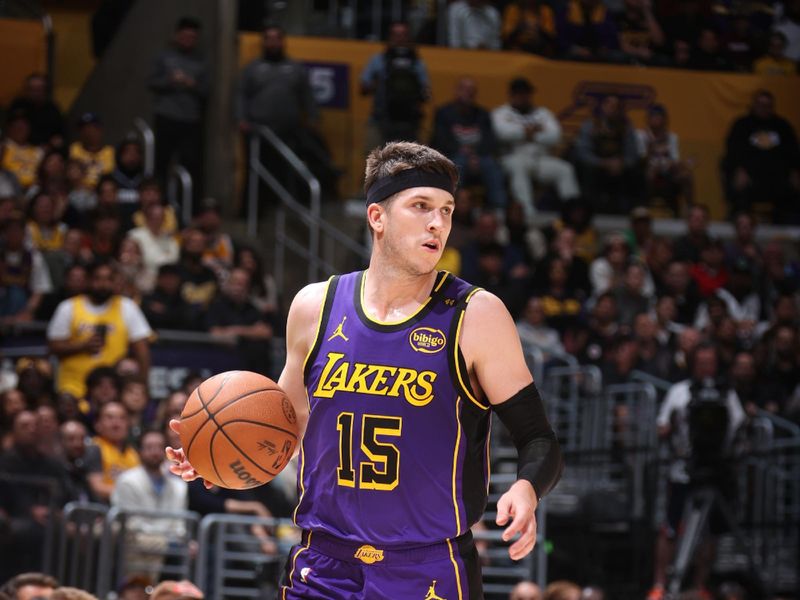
[238,429]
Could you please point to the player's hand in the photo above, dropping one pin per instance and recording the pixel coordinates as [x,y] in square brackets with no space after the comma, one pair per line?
[519,504]
[180,466]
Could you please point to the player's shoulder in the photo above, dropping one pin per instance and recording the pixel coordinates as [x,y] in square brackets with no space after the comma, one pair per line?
[486,313]
[308,301]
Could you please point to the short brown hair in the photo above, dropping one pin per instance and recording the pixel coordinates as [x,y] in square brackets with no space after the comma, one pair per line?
[13,585]
[395,157]
[561,590]
[71,593]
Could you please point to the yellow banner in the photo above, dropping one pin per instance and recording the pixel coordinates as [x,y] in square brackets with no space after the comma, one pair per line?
[24,51]
[702,105]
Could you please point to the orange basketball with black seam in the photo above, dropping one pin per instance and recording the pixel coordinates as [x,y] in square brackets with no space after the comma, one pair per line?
[238,429]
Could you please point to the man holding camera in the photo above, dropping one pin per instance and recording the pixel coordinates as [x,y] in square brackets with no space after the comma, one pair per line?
[96,329]
[699,419]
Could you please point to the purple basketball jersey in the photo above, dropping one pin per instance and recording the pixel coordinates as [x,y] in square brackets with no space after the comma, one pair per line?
[396,449]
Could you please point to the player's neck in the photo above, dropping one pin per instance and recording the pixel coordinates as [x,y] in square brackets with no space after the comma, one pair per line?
[390,295]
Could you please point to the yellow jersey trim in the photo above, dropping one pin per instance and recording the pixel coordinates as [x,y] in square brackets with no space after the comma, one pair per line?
[455,567]
[294,564]
[319,327]
[437,285]
[455,466]
[459,374]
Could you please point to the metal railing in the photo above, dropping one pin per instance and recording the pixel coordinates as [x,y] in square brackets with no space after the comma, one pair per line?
[149,145]
[79,544]
[310,217]
[178,175]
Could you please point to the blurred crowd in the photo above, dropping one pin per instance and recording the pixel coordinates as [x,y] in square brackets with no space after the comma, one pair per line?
[716,35]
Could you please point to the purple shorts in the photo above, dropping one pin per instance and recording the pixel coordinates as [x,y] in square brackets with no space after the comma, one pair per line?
[326,568]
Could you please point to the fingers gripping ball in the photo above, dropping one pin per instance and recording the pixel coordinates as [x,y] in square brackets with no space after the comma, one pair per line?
[238,429]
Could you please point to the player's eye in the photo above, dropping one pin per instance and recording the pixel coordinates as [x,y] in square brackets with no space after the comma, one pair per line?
[447,211]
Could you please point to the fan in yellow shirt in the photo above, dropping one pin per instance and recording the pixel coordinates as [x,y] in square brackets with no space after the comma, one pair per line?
[89,149]
[774,62]
[19,156]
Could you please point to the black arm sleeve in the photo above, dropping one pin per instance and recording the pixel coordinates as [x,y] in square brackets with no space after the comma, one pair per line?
[540,460]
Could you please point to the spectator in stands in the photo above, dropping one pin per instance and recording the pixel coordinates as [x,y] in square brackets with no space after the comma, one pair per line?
[116,454]
[165,307]
[106,191]
[263,290]
[97,157]
[96,329]
[35,380]
[788,23]
[232,316]
[20,157]
[135,397]
[176,590]
[473,24]
[528,134]
[562,590]
[779,364]
[679,284]
[274,91]
[708,54]
[740,42]
[29,505]
[709,272]
[744,379]
[47,122]
[44,231]
[577,215]
[129,171]
[564,247]
[49,443]
[640,35]
[744,246]
[150,486]
[12,402]
[106,234]
[588,32]
[219,247]
[179,83]
[761,161]
[775,61]
[483,235]
[529,26]
[630,295]
[158,248]
[654,355]
[562,303]
[463,132]
[608,158]
[533,329]
[620,359]
[24,277]
[76,458]
[673,425]
[667,176]
[398,80]
[103,385]
[150,192]
[133,277]
[688,247]
[607,271]
[525,590]
[784,311]
[51,175]
[198,282]
[81,197]
[29,586]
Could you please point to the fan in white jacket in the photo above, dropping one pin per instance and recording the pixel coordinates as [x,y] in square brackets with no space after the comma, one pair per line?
[528,133]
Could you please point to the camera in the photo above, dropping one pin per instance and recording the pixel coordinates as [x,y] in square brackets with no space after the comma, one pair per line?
[709,422]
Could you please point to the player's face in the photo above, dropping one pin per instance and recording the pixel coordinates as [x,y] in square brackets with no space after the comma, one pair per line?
[417,224]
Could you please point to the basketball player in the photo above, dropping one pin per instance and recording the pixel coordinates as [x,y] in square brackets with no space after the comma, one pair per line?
[395,372]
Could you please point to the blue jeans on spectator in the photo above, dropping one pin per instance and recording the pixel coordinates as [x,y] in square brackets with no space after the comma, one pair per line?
[490,174]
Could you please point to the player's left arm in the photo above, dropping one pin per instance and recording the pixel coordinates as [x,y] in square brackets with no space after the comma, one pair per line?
[493,352]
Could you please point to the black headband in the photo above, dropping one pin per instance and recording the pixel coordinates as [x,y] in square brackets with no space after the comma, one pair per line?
[410,178]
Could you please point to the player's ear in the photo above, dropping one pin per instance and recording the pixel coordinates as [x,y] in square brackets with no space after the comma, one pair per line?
[376,216]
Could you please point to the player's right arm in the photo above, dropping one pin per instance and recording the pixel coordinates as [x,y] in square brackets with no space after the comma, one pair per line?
[301,332]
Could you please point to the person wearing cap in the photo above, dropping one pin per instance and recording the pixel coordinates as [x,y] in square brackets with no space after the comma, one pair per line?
[528,134]
[666,174]
[179,83]
[97,157]
[394,373]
